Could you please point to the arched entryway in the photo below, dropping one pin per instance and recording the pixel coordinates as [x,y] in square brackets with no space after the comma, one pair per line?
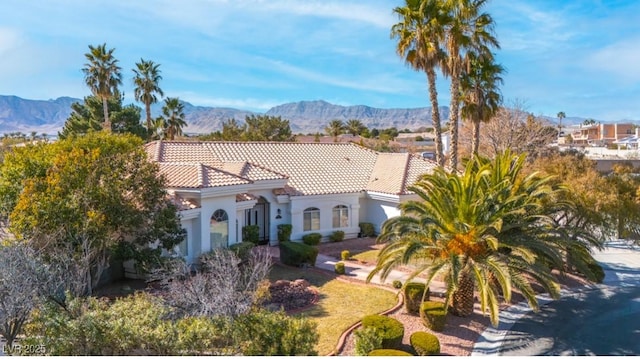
[219,229]
[259,216]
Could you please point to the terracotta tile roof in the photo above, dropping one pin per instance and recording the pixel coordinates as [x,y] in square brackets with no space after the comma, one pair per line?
[388,173]
[251,171]
[417,167]
[182,203]
[197,175]
[242,197]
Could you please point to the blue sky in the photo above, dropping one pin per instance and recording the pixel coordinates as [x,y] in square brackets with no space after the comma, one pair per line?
[578,56]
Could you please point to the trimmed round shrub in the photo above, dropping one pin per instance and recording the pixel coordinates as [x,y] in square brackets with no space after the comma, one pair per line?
[284,232]
[434,315]
[413,293]
[425,343]
[389,353]
[242,249]
[367,229]
[312,239]
[366,340]
[336,236]
[340,268]
[251,234]
[297,254]
[389,329]
[397,284]
[344,255]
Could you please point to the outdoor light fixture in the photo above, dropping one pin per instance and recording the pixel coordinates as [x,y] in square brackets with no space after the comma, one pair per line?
[278,216]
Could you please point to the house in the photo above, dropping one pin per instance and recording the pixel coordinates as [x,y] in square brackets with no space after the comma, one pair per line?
[602,134]
[220,187]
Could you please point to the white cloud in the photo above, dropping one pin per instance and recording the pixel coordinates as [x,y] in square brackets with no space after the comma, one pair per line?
[620,59]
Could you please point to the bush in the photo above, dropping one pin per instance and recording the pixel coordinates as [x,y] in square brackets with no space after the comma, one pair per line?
[597,271]
[312,239]
[367,229]
[340,268]
[397,284]
[389,353]
[242,249]
[344,255]
[413,293]
[336,236]
[251,234]
[284,232]
[425,344]
[434,315]
[366,340]
[388,329]
[296,254]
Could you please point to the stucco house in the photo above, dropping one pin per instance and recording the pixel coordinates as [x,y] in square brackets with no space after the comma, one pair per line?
[220,187]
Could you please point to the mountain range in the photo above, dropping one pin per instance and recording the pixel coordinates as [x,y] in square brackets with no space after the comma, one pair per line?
[48,116]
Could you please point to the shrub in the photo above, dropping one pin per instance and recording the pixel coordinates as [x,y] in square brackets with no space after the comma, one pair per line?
[425,344]
[366,340]
[388,329]
[367,229]
[284,232]
[344,255]
[389,353]
[434,315]
[340,268]
[242,249]
[312,239]
[251,234]
[336,236]
[296,254]
[597,271]
[397,284]
[413,294]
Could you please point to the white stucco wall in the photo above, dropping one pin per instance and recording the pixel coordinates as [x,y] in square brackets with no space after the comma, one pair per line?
[379,211]
[325,203]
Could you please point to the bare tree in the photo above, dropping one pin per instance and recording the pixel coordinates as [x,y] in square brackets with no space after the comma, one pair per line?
[223,286]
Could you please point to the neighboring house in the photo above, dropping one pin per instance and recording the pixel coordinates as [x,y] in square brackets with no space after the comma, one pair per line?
[220,187]
[629,142]
[601,134]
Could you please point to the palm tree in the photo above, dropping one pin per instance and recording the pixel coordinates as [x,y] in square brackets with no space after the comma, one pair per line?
[146,81]
[490,228]
[102,75]
[354,127]
[173,112]
[335,128]
[480,95]
[468,31]
[560,115]
[420,33]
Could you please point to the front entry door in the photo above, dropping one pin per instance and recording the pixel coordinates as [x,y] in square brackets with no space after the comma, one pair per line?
[259,216]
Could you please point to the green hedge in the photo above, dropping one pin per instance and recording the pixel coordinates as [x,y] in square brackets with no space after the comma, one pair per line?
[425,344]
[336,236]
[389,353]
[312,239]
[434,315]
[251,234]
[242,249]
[413,293]
[389,329]
[340,268]
[367,229]
[284,232]
[296,254]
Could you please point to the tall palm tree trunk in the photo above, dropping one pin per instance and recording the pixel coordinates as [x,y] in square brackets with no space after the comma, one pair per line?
[453,121]
[435,114]
[462,304]
[475,142]
[106,125]
[147,106]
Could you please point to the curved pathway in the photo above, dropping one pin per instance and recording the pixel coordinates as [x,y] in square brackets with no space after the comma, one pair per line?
[600,319]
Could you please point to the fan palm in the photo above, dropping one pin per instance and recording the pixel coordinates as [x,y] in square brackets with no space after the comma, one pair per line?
[354,127]
[173,117]
[420,33]
[102,75]
[147,77]
[489,228]
[335,128]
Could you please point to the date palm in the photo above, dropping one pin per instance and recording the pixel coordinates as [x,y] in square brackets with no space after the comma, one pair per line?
[354,127]
[102,75]
[335,128]
[420,33]
[173,117]
[480,93]
[489,229]
[147,79]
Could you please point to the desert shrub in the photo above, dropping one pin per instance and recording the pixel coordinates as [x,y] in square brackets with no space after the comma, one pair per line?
[284,232]
[367,229]
[296,254]
[251,234]
[344,255]
[340,268]
[597,271]
[366,340]
[312,239]
[204,336]
[413,294]
[425,343]
[434,315]
[388,329]
[389,353]
[336,236]
[242,249]
[397,284]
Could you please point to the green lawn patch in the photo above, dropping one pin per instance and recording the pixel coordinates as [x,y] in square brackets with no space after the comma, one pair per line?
[370,256]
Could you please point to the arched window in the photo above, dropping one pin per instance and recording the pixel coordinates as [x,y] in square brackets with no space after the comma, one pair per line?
[340,216]
[219,229]
[311,219]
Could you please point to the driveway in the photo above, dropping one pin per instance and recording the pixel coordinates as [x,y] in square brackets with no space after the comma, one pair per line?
[598,320]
